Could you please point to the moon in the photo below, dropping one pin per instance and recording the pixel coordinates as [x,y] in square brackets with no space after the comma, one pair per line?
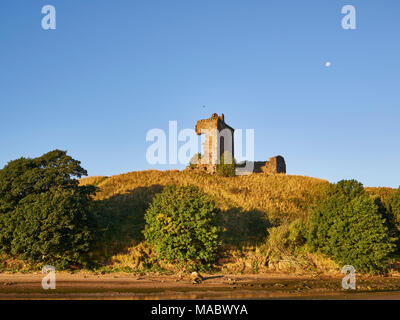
[328,64]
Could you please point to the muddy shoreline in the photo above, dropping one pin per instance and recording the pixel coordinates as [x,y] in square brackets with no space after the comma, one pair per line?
[216,286]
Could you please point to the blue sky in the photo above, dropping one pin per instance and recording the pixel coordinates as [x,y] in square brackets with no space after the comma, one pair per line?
[112,70]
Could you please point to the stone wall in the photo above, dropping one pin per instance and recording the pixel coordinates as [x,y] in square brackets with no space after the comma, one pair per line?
[273,166]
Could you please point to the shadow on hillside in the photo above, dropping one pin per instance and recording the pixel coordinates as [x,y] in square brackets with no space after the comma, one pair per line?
[120,220]
[244,228]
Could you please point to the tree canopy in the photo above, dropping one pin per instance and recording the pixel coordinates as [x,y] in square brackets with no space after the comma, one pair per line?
[347,226]
[44,213]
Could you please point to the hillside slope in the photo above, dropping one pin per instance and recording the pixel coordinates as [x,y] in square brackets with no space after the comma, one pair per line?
[251,207]
[272,194]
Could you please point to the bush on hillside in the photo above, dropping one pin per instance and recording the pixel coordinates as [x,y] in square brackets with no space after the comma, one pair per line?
[182,225]
[347,226]
[44,213]
[227,165]
[287,238]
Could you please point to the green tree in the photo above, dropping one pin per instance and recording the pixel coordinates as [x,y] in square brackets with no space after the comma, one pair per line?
[44,213]
[347,226]
[182,224]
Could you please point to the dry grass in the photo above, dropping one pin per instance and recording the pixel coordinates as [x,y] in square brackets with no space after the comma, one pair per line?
[246,202]
[383,193]
[95,180]
[279,198]
[284,194]
[246,260]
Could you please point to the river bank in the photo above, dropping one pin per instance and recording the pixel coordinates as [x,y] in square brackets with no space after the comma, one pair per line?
[214,286]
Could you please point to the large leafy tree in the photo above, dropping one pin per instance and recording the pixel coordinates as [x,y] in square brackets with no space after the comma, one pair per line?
[347,225]
[44,213]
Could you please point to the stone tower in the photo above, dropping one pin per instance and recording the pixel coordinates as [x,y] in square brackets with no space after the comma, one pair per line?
[218,139]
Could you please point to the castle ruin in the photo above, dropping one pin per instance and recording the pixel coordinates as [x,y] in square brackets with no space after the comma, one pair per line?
[273,165]
[219,140]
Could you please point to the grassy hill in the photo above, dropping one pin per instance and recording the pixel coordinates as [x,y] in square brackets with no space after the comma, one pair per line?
[250,205]
[287,195]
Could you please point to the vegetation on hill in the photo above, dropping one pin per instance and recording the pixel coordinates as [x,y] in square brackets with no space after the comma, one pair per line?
[278,196]
[265,218]
[267,222]
[182,225]
[348,226]
[249,207]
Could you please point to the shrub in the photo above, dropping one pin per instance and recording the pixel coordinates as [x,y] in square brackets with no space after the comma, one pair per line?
[287,238]
[182,225]
[346,225]
[44,213]
[286,247]
[226,166]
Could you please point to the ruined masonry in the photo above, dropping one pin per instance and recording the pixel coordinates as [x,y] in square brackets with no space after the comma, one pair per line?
[219,140]
[273,165]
